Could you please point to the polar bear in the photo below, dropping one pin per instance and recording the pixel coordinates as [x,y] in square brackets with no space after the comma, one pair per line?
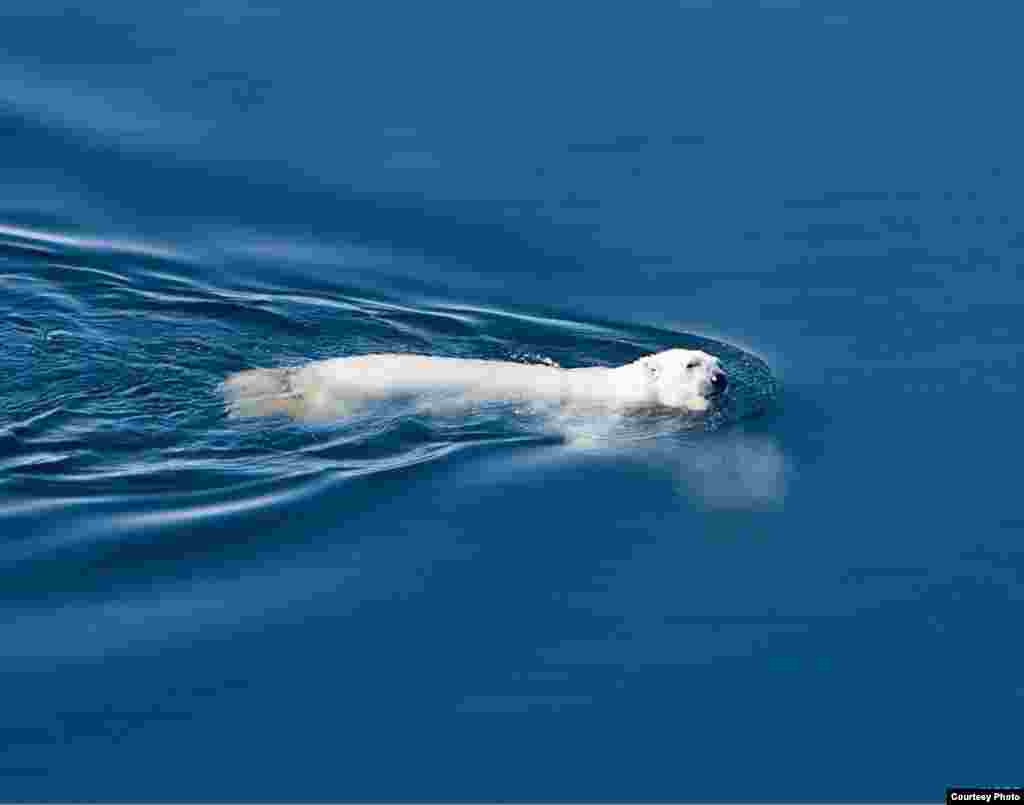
[682,379]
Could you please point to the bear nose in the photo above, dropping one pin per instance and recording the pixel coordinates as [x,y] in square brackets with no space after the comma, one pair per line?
[719,381]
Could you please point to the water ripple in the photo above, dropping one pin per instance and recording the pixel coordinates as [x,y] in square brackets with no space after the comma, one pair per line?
[112,424]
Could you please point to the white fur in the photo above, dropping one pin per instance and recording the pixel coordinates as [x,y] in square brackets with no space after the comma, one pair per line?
[676,378]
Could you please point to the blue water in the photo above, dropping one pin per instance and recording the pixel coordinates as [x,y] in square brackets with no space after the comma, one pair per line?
[814,594]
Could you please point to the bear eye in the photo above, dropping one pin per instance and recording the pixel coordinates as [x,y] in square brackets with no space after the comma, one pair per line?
[693,364]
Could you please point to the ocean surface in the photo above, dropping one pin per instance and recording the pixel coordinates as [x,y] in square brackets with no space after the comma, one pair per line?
[812,593]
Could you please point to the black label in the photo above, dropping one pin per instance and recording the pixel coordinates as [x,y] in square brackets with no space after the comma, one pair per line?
[991,796]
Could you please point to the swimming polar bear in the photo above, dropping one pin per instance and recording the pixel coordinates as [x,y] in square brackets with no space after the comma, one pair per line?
[681,379]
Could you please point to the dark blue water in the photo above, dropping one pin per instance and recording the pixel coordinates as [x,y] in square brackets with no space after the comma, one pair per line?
[815,595]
